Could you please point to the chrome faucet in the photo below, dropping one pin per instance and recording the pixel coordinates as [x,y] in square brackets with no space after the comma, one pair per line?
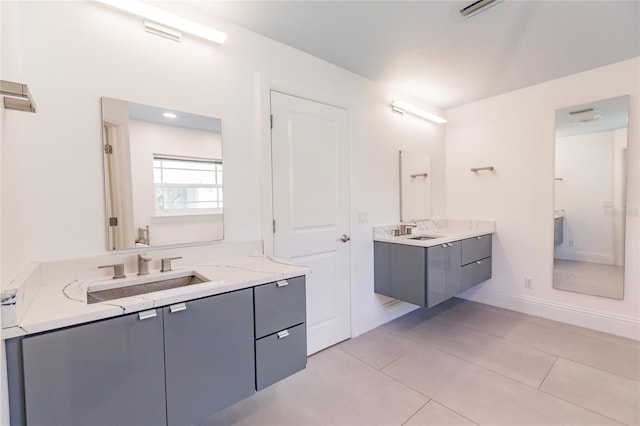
[143,264]
[166,263]
[118,270]
[405,228]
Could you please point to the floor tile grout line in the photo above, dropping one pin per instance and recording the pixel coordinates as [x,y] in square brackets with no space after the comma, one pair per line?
[417,411]
[548,372]
[454,411]
[581,406]
[597,368]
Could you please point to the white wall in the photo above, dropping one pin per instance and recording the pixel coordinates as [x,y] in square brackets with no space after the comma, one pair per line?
[515,132]
[52,163]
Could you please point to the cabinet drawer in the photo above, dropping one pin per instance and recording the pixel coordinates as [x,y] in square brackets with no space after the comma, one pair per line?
[475,273]
[279,305]
[476,248]
[280,355]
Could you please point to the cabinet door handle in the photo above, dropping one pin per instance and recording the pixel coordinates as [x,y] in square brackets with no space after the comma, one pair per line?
[444,245]
[449,244]
[147,314]
[282,283]
[282,334]
[177,308]
[478,262]
[478,238]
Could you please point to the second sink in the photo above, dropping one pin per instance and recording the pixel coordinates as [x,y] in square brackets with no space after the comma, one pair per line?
[135,287]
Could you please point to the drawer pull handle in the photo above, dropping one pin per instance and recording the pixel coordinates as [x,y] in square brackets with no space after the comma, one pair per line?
[478,262]
[444,245]
[478,238]
[282,283]
[449,244]
[177,308]
[147,314]
[282,334]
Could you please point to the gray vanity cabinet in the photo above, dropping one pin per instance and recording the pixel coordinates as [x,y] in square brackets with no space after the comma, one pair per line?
[418,275]
[209,355]
[104,373]
[427,276]
[281,334]
[558,230]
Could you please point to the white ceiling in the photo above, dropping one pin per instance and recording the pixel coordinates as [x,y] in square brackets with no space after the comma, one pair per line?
[426,50]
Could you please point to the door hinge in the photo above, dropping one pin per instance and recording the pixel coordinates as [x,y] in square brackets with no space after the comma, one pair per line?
[271,121]
[113,221]
[274,226]
[108,149]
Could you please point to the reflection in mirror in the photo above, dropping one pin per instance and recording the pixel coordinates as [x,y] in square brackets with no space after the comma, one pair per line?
[415,186]
[590,197]
[163,176]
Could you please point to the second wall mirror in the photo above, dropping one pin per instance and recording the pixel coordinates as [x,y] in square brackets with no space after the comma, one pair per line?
[590,197]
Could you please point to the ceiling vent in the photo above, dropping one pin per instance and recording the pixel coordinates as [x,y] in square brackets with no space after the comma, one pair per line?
[477,7]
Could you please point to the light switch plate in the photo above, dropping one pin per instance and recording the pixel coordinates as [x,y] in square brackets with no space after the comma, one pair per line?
[363,217]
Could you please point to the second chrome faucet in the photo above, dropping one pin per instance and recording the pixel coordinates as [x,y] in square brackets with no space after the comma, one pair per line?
[143,264]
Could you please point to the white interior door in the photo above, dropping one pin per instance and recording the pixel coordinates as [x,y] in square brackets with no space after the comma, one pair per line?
[310,161]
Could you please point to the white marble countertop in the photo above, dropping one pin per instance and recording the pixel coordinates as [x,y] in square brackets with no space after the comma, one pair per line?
[441,231]
[56,306]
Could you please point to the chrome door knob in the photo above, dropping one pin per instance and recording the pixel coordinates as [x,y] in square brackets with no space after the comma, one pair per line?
[345,238]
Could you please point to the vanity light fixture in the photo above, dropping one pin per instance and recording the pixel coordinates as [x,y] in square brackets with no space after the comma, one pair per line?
[477,7]
[169,115]
[401,107]
[167,19]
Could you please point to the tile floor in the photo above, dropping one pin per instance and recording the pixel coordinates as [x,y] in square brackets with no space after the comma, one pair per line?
[589,278]
[461,363]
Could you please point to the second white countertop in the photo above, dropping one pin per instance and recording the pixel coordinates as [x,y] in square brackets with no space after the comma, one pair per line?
[442,231]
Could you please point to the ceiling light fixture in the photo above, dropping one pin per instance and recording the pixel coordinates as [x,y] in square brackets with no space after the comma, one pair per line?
[402,107]
[167,19]
[477,7]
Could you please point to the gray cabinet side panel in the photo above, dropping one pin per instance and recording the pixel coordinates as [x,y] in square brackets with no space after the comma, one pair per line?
[408,273]
[277,358]
[382,268]
[476,248]
[209,353]
[277,308]
[15,379]
[104,373]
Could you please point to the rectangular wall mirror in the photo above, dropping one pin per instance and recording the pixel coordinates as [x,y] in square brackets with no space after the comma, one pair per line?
[163,176]
[590,197]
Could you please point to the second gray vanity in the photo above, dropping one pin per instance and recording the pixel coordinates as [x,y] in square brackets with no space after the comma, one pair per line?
[428,270]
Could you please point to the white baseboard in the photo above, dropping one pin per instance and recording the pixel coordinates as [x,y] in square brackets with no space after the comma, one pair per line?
[387,312]
[602,321]
[585,256]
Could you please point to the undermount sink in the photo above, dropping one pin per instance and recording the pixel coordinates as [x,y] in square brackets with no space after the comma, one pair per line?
[102,292]
[425,237]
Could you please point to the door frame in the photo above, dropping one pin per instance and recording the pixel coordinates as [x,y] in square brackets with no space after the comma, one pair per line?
[265,85]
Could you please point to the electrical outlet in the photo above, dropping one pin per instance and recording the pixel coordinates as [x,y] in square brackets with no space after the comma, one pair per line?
[528,282]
